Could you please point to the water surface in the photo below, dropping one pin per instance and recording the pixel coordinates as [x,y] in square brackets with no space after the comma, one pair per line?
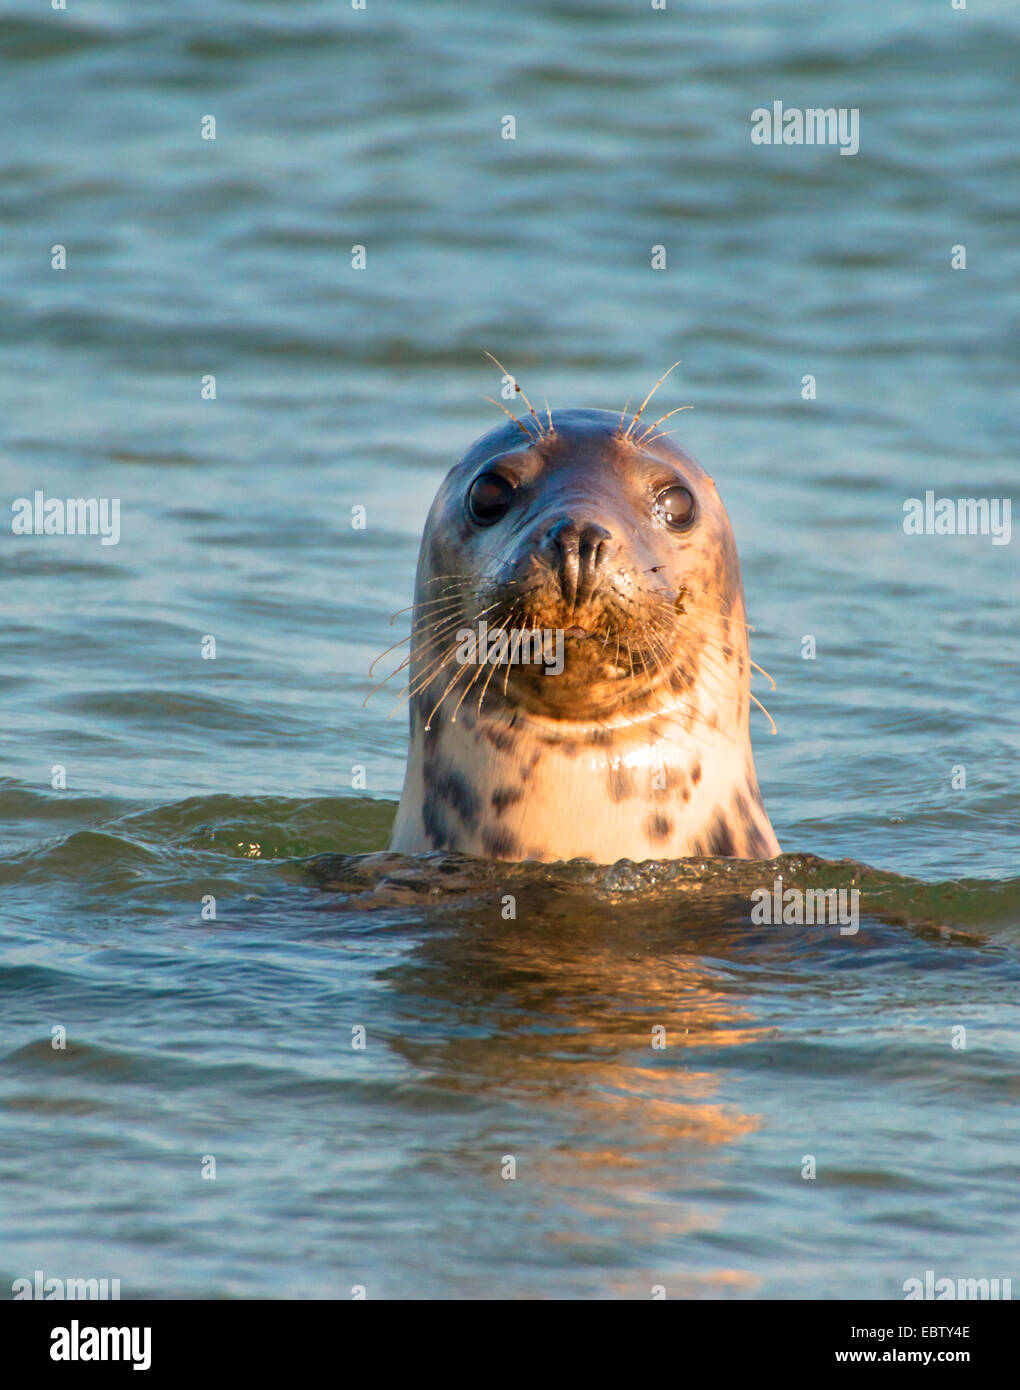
[487,1037]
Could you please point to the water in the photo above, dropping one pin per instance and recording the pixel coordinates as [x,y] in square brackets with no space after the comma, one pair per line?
[339,388]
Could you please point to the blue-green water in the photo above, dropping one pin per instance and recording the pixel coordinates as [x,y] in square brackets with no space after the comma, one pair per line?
[338,388]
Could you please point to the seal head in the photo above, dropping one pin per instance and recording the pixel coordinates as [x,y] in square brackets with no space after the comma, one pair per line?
[579,668]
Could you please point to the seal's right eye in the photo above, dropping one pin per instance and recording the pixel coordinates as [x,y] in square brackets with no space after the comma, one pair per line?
[489,498]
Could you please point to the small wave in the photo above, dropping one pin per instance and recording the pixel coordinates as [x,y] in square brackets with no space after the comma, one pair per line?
[336,844]
[706,889]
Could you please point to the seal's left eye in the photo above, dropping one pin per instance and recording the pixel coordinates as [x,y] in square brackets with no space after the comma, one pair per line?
[489,498]
[676,507]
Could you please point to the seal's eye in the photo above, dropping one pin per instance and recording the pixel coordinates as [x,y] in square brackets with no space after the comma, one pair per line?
[676,507]
[489,498]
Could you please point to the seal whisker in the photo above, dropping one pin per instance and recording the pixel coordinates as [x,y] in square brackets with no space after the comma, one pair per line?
[659,421]
[438,606]
[481,667]
[659,641]
[460,672]
[690,711]
[447,621]
[663,434]
[518,388]
[447,607]
[708,642]
[424,603]
[429,643]
[656,647]
[520,425]
[506,678]
[651,393]
[764,711]
[379,658]
[495,667]
[444,592]
[718,613]
[423,680]
[409,694]
[711,645]
[763,672]
[439,634]
[427,634]
[419,683]
[707,613]
[623,416]
[711,654]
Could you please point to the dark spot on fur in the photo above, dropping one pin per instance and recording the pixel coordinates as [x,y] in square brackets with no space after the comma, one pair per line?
[500,737]
[720,838]
[503,797]
[696,773]
[757,845]
[500,844]
[435,824]
[446,787]
[658,827]
[460,794]
[532,761]
[620,783]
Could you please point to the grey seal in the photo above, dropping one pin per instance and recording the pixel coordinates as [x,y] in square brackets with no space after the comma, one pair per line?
[611,538]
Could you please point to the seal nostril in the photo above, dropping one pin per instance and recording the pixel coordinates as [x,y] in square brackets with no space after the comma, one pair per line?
[577,552]
[591,543]
[563,536]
